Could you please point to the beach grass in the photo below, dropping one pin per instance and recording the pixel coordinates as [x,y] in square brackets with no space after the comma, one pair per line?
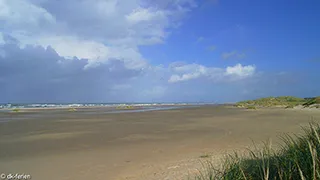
[298,157]
[251,107]
[312,101]
[205,156]
[281,101]
[15,110]
[72,109]
[286,101]
[127,107]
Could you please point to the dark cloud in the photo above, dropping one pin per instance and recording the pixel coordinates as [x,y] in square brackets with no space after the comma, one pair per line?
[36,74]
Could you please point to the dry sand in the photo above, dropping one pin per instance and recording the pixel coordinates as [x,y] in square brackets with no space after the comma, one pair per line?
[167,144]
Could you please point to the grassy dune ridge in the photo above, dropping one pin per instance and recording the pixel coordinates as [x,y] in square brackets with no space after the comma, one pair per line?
[297,158]
[281,101]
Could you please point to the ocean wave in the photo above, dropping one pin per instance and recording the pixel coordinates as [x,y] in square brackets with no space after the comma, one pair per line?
[73,105]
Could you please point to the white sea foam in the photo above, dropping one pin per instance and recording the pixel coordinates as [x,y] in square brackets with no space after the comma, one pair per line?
[46,105]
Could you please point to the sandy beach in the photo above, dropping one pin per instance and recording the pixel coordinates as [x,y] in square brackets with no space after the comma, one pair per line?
[168,144]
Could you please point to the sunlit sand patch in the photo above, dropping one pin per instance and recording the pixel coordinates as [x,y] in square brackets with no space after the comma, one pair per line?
[192,126]
[47,136]
[136,137]
[206,131]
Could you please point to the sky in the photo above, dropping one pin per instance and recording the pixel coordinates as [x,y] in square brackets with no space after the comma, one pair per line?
[58,51]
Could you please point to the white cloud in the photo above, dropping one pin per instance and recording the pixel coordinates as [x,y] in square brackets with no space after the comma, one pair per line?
[95,52]
[185,77]
[84,49]
[142,15]
[188,72]
[194,71]
[22,15]
[241,71]
[99,31]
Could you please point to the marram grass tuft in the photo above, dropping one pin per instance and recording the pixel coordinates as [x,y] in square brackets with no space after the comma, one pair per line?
[298,158]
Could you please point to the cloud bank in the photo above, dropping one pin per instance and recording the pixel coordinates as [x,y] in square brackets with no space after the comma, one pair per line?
[37,74]
[89,51]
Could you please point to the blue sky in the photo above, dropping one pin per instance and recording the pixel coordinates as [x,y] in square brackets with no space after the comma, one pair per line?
[268,32]
[157,51]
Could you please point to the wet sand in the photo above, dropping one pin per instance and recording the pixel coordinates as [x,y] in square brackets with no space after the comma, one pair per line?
[166,144]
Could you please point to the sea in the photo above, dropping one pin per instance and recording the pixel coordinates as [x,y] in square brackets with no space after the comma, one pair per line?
[118,107]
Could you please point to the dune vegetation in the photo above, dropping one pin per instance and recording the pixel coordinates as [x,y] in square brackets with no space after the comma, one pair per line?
[15,110]
[122,107]
[313,102]
[72,109]
[297,158]
[281,101]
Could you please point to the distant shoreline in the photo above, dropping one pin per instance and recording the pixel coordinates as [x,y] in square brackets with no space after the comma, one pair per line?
[92,105]
[105,109]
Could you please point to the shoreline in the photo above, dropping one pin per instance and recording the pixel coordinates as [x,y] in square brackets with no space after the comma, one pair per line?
[120,106]
[93,105]
[108,109]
